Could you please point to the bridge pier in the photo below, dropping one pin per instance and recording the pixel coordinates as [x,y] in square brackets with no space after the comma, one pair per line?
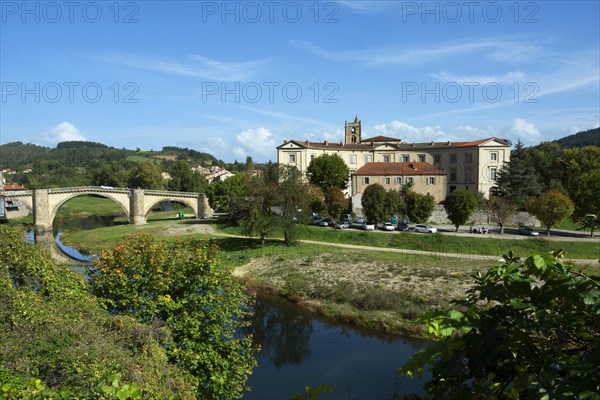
[137,216]
[41,210]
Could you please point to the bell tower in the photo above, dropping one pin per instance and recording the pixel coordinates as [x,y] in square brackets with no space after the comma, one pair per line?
[352,131]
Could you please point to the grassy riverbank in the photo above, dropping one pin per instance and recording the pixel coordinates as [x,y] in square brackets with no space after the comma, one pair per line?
[385,290]
[379,290]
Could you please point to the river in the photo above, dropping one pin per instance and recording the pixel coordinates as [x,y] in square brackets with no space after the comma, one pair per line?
[300,348]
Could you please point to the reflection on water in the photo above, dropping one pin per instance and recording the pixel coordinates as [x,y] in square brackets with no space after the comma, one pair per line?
[300,348]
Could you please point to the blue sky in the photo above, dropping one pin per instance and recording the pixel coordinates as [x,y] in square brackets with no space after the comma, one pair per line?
[238,78]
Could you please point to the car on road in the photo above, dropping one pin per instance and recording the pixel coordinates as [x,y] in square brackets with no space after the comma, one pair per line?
[527,230]
[387,226]
[422,228]
[368,226]
[326,222]
[343,225]
[402,226]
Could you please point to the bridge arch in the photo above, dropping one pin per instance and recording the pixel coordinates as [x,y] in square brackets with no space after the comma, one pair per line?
[62,201]
[189,202]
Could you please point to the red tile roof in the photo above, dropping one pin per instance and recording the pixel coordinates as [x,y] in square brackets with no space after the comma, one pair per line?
[399,168]
[11,186]
[369,144]
[381,139]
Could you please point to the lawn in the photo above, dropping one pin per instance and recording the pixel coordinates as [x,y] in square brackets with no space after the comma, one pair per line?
[443,243]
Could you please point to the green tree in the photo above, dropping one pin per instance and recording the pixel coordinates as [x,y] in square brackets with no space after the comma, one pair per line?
[501,211]
[183,179]
[182,286]
[336,201]
[327,171]
[544,158]
[54,335]
[418,207]
[222,193]
[113,174]
[252,209]
[551,208]
[146,175]
[292,202]
[459,206]
[374,203]
[526,330]
[573,164]
[586,195]
[517,179]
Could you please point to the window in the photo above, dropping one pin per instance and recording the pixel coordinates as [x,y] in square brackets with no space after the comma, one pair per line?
[387,181]
[453,175]
[421,157]
[452,158]
[493,173]
[399,180]
[469,174]
[292,158]
[468,157]
[452,189]
[405,158]
[431,180]
[494,156]
[312,157]
[409,180]
[386,158]
[368,159]
[366,180]
[437,159]
[352,159]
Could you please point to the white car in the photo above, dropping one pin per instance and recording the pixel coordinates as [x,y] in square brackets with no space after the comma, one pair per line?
[368,226]
[425,228]
[388,227]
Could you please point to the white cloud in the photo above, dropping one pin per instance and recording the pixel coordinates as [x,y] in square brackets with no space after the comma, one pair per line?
[507,78]
[469,130]
[196,66]
[411,133]
[497,50]
[63,132]
[256,142]
[526,131]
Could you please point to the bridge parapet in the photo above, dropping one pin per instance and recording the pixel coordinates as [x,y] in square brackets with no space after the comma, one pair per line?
[172,194]
[87,189]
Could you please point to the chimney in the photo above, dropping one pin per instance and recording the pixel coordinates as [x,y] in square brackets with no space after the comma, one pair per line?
[325,143]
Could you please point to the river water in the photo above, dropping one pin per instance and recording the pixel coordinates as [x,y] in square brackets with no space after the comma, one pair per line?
[300,348]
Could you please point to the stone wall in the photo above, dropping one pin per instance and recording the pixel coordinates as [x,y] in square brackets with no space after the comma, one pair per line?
[479,217]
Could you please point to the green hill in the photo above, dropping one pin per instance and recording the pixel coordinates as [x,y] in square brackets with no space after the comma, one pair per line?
[580,139]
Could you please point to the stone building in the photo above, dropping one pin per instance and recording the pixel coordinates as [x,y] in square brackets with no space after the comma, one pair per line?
[469,165]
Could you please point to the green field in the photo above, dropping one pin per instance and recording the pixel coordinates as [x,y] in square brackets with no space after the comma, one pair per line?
[443,243]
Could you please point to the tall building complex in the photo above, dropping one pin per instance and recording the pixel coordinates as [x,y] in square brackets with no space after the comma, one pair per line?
[437,168]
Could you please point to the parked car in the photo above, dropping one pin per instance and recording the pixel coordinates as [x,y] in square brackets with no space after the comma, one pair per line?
[326,222]
[343,225]
[527,230]
[422,228]
[368,226]
[358,222]
[316,220]
[387,226]
[402,226]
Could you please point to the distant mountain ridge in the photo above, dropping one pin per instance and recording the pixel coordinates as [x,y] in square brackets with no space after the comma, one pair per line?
[76,154]
[580,139]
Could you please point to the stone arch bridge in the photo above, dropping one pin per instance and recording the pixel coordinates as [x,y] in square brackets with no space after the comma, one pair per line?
[136,203]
